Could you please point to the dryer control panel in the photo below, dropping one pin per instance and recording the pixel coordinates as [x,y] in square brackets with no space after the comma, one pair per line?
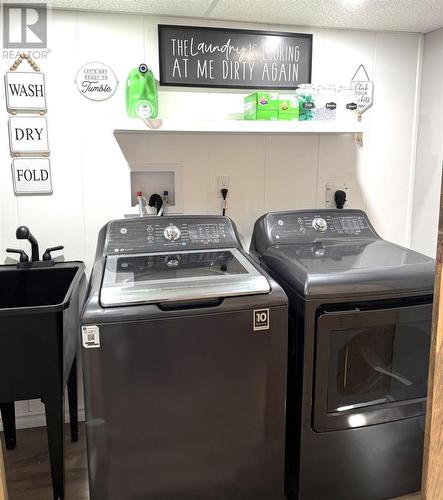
[163,234]
[305,226]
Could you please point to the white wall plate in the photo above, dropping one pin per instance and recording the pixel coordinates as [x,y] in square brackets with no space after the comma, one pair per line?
[28,135]
[155,178]
[25,92]
[32,176]
[331,188]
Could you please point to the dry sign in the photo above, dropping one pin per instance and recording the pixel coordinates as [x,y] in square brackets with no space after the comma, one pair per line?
[28,135]
[32,175]
[25,92]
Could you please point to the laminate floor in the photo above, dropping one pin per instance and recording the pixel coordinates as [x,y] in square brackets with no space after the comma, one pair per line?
[27,467]
[28,475]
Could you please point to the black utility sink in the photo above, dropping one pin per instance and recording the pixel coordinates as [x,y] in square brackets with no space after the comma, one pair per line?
[35,287]
[39,322]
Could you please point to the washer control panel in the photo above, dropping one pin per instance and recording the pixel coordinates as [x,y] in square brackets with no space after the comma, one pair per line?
[163,234]
[303,226]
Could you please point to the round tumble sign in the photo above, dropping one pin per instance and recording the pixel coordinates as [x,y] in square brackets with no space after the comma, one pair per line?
[96,81]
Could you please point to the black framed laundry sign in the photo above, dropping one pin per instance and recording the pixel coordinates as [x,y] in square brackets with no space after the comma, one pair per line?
[194,56]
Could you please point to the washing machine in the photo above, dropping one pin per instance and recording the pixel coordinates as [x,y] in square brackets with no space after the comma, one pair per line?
[359,337]
[184,350]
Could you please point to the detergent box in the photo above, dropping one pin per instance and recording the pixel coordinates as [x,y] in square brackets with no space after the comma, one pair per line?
[288,107]
[261,106]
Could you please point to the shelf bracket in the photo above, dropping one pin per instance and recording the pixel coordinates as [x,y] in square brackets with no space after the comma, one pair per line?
[359,135]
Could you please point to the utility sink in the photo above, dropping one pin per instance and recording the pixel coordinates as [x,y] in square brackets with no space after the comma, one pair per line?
[39,311]
[35,287]
[39,331]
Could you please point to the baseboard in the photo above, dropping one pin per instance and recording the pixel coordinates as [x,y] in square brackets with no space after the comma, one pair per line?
[28,420]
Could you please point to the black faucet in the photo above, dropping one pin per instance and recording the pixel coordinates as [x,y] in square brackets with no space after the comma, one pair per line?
[23,233]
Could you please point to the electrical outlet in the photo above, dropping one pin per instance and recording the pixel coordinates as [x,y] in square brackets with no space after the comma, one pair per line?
[223,182]
[331,188]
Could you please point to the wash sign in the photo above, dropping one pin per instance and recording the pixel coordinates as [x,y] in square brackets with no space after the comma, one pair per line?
[25,92]
[31,175]
[28,135]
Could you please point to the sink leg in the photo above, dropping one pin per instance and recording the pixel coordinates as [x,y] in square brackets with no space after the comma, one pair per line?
[54,408]
[8,419]
[73,401]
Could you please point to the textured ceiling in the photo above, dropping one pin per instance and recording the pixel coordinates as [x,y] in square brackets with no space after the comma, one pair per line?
[186,8]
[390,15]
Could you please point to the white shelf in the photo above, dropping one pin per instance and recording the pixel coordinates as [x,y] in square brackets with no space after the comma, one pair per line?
[240,126]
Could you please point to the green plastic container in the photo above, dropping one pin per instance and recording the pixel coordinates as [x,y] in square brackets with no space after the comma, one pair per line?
[141,93]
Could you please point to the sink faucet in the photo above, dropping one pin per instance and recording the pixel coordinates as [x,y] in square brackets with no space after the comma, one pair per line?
[23,233]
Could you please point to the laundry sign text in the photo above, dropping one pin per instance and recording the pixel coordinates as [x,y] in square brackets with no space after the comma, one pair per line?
[213,57]
[28,135]
[25,92]
[31,176]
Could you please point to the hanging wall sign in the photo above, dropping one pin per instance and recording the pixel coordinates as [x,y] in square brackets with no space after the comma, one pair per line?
[364,89]
[96,81]
[31,176]
[25,92]
[194,56]
[28,135]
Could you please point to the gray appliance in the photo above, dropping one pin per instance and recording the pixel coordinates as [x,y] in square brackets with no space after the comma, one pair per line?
[185,361]
[359,334]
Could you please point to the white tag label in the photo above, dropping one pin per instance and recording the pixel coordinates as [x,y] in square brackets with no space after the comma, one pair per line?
[90,336]
[261,319]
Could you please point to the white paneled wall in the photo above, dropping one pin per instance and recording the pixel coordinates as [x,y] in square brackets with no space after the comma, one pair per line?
[428,169]
[291,171]
[389,170]
[268,172]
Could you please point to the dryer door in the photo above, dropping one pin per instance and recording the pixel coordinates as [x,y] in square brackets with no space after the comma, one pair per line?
[371,366]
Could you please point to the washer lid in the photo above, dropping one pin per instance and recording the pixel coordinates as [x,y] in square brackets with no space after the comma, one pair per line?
[179,276]
[350,267]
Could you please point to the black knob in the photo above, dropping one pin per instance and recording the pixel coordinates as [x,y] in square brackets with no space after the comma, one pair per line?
[340,198]
[47,254]
[22,233]
[23,255]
